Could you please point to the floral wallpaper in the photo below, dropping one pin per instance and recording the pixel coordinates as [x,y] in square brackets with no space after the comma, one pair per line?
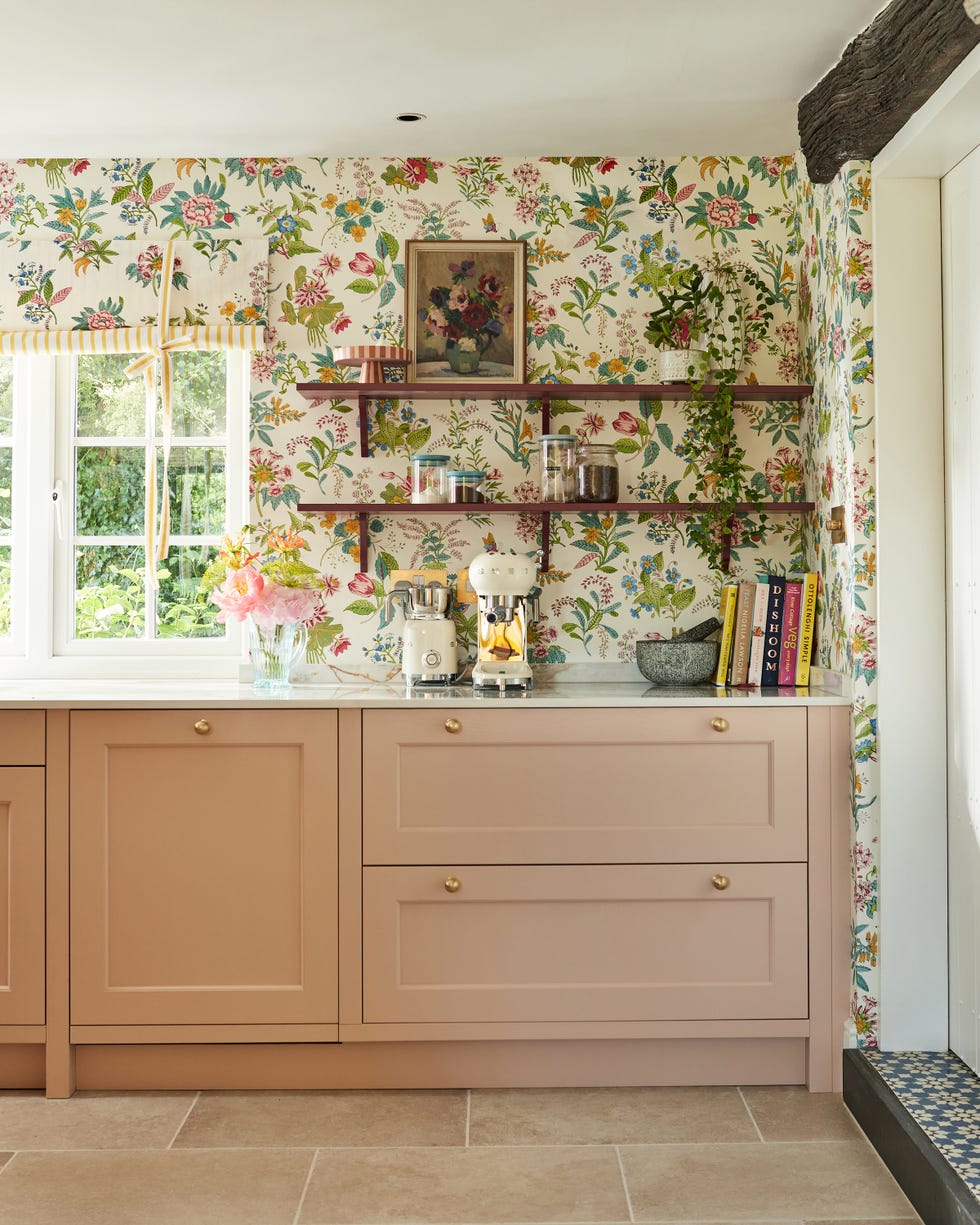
[598,230]
[839,456]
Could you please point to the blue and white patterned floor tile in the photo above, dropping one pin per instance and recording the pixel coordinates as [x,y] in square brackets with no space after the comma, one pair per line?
[943,1096]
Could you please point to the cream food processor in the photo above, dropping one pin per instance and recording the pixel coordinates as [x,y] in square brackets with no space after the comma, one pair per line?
[430,653]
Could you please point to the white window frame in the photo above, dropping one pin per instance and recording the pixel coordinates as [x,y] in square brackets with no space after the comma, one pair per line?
[44,390]
[16,643]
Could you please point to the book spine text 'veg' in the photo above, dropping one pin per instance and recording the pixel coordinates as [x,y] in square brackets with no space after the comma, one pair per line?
[790,636]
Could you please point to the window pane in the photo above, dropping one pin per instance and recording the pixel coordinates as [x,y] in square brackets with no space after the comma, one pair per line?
[4,592]
[197,491]
[109,403]
[109,591]
[6,482]
[182,611]
[110,491]
[6,396]
[199,394]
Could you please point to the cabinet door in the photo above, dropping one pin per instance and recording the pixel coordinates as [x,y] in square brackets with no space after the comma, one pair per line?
[688,784]
[585,944]
[21,896]
[204,867]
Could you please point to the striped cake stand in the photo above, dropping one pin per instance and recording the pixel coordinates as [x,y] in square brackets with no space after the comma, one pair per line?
[372,359]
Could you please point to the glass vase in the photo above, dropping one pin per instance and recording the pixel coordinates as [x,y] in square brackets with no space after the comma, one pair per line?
[273,650]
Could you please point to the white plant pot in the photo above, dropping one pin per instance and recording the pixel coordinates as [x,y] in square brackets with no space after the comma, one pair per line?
[679,365]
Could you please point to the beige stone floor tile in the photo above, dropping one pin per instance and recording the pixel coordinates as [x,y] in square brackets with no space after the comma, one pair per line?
[790,1112]
[166,1188]
[470,1186]
[29,1120]
[375,1117]
[760,1182]
[608,1116]
[904,1220]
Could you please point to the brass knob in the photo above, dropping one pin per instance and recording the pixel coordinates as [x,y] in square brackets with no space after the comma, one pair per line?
[202,727]
[453,884]
[719,724]
[835,525]
[720,881]
[453,726]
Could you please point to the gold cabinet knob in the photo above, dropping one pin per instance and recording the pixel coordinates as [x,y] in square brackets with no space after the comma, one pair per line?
[453,884]
[719,724]
[453,726]
[720,881]
[202,727]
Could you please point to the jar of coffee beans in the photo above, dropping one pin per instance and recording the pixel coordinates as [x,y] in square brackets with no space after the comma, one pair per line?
[596,473]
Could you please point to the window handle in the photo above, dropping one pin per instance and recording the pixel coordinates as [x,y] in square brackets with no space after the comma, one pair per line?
[58,499]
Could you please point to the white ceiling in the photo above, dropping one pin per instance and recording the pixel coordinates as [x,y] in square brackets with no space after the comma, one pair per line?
[326,77]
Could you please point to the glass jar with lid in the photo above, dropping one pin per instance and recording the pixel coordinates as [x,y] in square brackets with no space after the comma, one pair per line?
[429,478]
[466,485]
[596,473]
[557,467]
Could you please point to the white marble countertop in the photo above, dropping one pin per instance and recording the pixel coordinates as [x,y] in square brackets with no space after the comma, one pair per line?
[80,694]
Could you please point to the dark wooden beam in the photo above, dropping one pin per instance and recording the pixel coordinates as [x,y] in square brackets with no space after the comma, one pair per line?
[883,77]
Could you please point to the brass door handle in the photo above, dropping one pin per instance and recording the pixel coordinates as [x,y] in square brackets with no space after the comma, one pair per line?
[720,881]
[719,724]
[453,726]
[452,884]
[202,727]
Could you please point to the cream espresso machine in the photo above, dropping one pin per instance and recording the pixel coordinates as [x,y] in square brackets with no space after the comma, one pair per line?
[430,654]
[503,583]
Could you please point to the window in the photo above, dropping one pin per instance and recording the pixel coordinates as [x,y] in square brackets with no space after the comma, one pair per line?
[85,560]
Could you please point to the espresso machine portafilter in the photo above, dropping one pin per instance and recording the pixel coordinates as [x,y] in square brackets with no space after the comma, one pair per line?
[503,583]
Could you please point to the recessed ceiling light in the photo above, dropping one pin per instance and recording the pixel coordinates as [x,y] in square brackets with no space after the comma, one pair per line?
[410,117]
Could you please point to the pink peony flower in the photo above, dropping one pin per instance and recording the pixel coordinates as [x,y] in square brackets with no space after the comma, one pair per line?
[361,584]
[284,605]
[626,423]
[725,211]
[239,594]
[362,264]
[199,210]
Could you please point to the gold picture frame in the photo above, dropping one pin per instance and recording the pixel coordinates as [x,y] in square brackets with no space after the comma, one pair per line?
[465,310]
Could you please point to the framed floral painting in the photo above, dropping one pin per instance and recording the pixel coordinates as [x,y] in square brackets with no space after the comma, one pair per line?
[464,317]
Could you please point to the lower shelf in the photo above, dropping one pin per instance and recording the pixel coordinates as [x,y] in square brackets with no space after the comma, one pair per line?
[677,510]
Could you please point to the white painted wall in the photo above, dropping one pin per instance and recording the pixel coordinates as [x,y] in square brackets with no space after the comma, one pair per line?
[906,175]
[911,605]
[961,301]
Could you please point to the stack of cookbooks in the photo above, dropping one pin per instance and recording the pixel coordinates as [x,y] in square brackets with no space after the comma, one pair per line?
[767,631]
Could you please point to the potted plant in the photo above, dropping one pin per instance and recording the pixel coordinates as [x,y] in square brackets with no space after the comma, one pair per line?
[681,326]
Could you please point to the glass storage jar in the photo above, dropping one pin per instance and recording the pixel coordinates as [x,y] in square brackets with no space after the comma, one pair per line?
[596,473]
[557,468]
[429,478]
[466,486]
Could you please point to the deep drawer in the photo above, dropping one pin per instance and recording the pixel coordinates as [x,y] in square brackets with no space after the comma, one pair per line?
[585,944]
